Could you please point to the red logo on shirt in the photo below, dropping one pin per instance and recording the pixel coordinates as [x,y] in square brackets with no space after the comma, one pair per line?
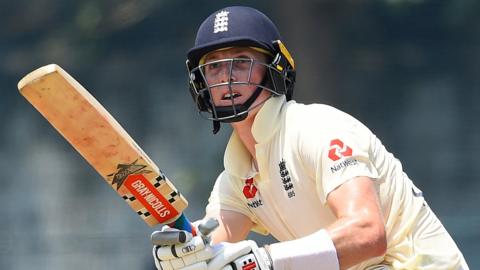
[249,190]
[338,150]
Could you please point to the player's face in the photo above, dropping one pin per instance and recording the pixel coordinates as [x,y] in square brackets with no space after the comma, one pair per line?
[233,75]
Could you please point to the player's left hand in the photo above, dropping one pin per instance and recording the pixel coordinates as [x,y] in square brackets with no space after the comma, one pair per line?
[197,255]
[177,249]
[192,254]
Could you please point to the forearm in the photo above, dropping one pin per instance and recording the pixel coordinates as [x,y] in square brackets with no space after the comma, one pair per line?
[233,227]
[359,230]
[357,239]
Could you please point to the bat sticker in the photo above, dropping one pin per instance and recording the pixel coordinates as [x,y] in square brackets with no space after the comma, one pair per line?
[156,204]
[124,170]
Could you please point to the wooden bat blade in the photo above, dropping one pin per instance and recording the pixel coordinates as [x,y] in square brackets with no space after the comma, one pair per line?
[107,147]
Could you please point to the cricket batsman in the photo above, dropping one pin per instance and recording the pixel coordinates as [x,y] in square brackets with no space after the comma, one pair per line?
[312,176]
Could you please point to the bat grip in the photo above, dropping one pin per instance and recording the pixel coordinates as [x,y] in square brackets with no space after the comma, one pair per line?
[182,223]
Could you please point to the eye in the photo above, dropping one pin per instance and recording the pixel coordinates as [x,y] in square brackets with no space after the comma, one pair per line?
[243,62]
[212,68]
[213,65]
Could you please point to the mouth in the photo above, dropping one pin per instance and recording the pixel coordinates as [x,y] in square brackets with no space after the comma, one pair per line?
[230,96]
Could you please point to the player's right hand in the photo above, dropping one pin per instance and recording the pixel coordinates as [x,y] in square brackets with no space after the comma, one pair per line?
[177,249]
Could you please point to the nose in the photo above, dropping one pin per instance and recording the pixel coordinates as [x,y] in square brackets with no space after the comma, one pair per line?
[226,73]
[220,72]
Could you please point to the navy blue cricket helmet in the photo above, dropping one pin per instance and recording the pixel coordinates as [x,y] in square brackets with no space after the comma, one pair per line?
[239,26]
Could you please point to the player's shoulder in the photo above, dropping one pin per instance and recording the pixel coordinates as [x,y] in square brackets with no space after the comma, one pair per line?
[321,123]
[228,180]
[226,177]
[318,114]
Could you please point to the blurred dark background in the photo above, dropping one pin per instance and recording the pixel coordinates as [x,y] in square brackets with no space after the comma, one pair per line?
[409,69]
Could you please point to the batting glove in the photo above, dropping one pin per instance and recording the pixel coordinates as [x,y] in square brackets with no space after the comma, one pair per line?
[245,255]
[177,249]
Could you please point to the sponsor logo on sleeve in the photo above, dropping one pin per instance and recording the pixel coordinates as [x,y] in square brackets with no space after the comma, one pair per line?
[343,164]
[338,150]
[250,191]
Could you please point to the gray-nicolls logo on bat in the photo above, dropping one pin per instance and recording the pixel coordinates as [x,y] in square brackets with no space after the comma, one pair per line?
[124,170]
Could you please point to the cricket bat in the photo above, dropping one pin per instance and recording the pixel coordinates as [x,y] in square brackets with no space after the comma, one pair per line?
[107,147]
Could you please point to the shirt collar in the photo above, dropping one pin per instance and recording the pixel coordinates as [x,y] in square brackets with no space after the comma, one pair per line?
[268,119]
[237,159]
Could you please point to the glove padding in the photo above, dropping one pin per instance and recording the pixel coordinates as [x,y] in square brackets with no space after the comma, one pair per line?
[177,249]
[245,255]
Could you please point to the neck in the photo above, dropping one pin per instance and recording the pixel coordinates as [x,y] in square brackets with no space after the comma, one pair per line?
[244,132]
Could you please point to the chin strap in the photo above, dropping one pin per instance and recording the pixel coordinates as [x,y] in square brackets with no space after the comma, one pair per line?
[216,127]
[226,111]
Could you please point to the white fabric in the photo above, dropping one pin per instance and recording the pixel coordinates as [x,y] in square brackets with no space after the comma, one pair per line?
[294,153]
[316,250]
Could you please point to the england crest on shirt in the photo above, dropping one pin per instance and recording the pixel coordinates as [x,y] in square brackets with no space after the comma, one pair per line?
[286,179]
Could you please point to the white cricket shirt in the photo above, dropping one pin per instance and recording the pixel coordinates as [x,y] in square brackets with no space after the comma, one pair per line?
[306,151]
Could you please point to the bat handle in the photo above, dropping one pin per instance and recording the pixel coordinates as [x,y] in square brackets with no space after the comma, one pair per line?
[182,223]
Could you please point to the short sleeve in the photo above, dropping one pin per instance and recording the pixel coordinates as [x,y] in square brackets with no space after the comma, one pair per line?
[334,148]
[346,153]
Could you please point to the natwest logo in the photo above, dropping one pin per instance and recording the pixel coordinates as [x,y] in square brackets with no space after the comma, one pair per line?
[338,150]
[249,190]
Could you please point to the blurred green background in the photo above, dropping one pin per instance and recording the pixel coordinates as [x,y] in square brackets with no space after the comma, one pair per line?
[409,69]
